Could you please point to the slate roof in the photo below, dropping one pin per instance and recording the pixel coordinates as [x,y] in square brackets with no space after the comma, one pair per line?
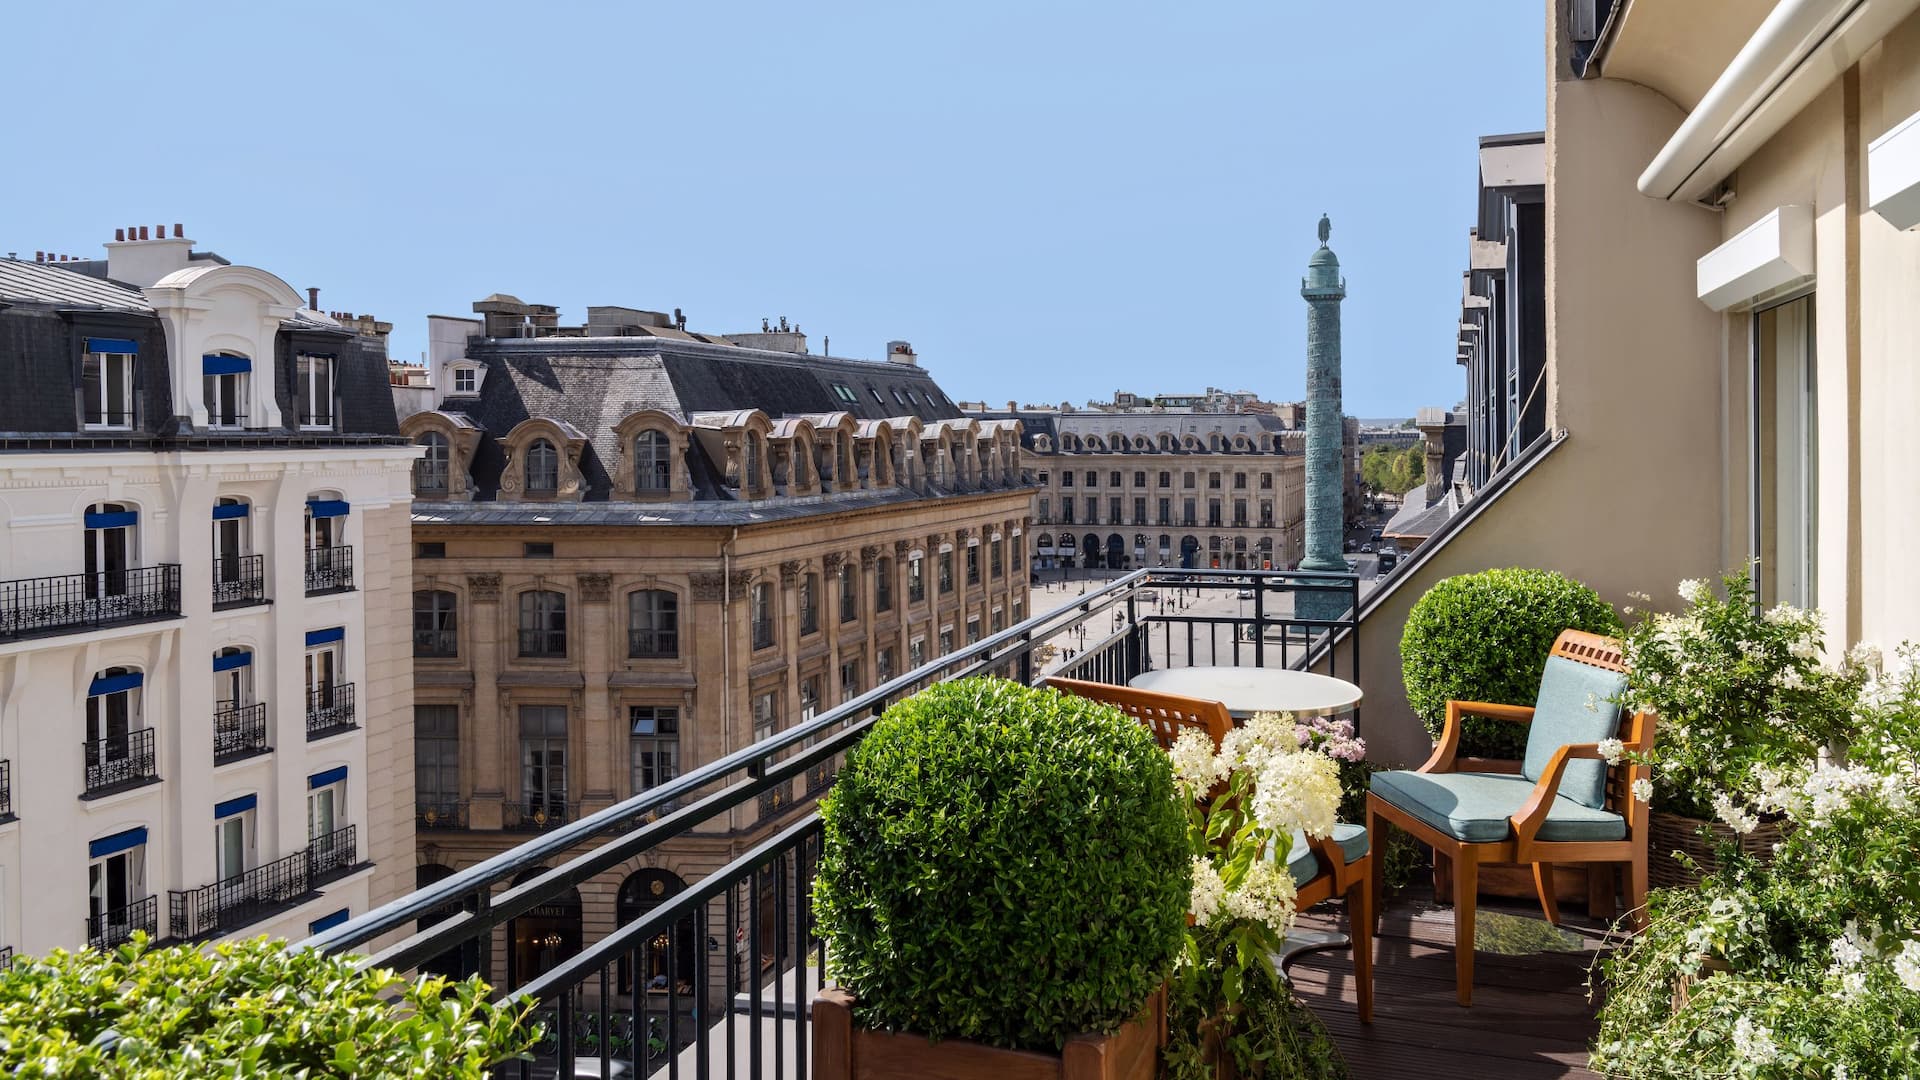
[1179,425]
[718,512]
[44,283]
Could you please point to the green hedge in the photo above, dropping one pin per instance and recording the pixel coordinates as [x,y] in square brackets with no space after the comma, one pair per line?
[1002,864]
[1485,637]
[247,1009]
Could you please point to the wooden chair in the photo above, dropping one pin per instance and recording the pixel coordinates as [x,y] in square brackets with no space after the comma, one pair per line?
[1561,804]
[1340,864]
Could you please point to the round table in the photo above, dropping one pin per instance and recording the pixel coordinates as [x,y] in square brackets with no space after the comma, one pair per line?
[1248,690]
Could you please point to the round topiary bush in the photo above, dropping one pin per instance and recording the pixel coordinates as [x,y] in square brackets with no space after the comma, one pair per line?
[1002,864]
[1485,637]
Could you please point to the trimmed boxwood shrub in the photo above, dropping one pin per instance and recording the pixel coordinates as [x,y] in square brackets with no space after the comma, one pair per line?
[1002,864]
[1485,637]
[251,1008]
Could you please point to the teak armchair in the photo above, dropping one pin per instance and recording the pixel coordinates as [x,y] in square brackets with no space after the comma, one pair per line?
[1337,865]
[1561,804]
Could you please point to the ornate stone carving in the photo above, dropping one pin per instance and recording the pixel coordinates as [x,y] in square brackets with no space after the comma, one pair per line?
[833,562]
[935,540]
[708,585]
[483,586]
[960,536]
[595,587]
[789,572]
[901,547]
[742,580]
[869,555]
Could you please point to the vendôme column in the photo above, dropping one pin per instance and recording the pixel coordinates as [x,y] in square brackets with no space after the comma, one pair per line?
[1323,288]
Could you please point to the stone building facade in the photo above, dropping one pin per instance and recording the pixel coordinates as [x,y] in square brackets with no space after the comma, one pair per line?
[640,549]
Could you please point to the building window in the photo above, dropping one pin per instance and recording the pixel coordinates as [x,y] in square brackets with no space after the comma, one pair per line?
[996,559]
[1783,479]
[111,549]
[1113,479]
[653,624]
[1042,479]
[232,682]
[434,549]
[1092,478]
[946,640]
[543,623]
[1166,479]
[883,584]
[1045,508]
[1213,481]
[766,716]
[232,844]
[236,579]
[1113,511]
[809,603]
[999,620]
[326,809]
[465,381]
[882,666]
[916,653]
[223,384]
[436,760]
[1093,510]
[1239,481]
[809,697]
[656,744]
[849,680]
[849,594]
[750,473]
[430,471]
[543,761]
[1066,510]
[116,883]
[973,564]
[973,629]
[1239,513]
[1213,513]
[1186,512]
[946,572]
[1139,479]
[762,615]
[313,392]
[1266,481]
[543,468]
[1186,479]
[916,580]
[435,623]
[1066,478]
[1019,554]
[117,749]
[543,550]
[652,461]
[106,382]
[329,696]
[1166,512]
[1139,511]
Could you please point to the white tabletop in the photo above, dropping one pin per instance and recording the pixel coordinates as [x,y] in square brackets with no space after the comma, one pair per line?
[1248,690]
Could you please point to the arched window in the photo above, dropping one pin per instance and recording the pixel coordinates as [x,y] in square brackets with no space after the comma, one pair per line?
[653,624]
[430,471]
[652,461]
[119,749]
[112,550]
[543,623]
[543,468]
[549,934]
[436,624]
[668,957]
[224,388]
[750,467]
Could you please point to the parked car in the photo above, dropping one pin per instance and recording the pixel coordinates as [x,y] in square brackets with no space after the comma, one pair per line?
[1246,594]
[1366,549]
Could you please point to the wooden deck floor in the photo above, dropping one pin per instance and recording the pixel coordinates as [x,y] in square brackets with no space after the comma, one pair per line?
[1530,1017]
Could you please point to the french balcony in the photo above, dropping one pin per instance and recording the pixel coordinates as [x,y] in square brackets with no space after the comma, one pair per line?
[437,644]
[71,603]
[239,732]
[6,792]
[763,634]
[110,928]
[332,855]
[653,644]
[439,814]
[227,905]
[119,762]
[329,710]
[538,814]
[329,570]
[239,581]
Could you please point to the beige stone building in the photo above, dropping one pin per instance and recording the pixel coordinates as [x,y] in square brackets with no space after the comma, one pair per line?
[640,549]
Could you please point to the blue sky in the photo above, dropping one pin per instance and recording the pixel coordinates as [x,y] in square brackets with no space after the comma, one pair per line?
[1051,201]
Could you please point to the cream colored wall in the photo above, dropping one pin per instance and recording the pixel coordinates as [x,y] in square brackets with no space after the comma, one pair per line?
[387,580]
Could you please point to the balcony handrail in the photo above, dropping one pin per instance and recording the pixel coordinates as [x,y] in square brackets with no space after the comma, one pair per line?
[42,605]
[6,789]
[238,729]
[141,914]
[330,706]
[760,766]
[332,853]
[134,761]
[245,584]
[329,569]
[211,907]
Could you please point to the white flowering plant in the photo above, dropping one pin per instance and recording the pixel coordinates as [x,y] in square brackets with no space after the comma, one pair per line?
[1808,965]
[1736,689]
[1244,800]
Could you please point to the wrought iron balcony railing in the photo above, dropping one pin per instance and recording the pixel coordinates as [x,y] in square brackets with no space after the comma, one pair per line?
[644,644]
[6,956]
[239,580]
[110,928]
[120,761]
[73,602]
[329,569]
[239,731]
[231,903]
[539,643]
[329,710]
[436,643]
[332,855]
[6,791]
[538,814]
[431,813]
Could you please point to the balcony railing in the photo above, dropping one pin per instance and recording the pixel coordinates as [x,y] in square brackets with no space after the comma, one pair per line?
[239,580]
[227,905]
[762,633]
[6,791]
[332,855]
[239,731]
[538,643]
[644,644]
[110,928]
[120,761]
[439,814]
[6,956]
[73,602]
[329,569]
[759,899]
[436,643]
[329,710]
[538,814]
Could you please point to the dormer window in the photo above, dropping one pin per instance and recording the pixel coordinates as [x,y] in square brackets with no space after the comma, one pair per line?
[106,384]
[224,381]
[466,381]
[543,468]
[313,392]
[652,461]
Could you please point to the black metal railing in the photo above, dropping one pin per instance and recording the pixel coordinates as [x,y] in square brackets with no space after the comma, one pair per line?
[762,633]
[738,942]
[436,643]
[6,956]
[536,814]
[119,761]
[239,731]
[329,709]
[239,580]
[6,791]
[431,813]
[329,569]
[653,644]
[331,855]
[68,602]
[538,643]
[234,902]
[110,928]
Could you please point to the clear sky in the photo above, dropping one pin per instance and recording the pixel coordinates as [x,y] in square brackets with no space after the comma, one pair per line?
[1049,200]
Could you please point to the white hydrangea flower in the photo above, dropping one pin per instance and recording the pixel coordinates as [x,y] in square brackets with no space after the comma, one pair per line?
[1782,614]
[1194,762]
[1846,948]
[1611,750]
[1643,790]
[1806,646]
[1906,966]
[1753,1042]
[1266,896]
[1791,679]
[1693,590]
[1208,891]
[1737,818]
[1866,655]
[1298,791]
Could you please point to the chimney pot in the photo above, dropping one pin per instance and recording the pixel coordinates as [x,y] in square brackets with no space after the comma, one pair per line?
[179,231]
[143,232]
[160,232]
[39,256]
[313,299]
[119,235]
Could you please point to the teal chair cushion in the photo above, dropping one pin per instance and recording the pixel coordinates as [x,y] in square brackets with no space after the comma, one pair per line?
[1576,705]
[1475,807]
[1304,864]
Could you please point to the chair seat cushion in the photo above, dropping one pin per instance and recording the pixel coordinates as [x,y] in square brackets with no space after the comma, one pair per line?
[1304,864]
[1475,807]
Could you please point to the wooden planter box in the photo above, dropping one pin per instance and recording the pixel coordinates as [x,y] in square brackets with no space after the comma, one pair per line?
[842,1051]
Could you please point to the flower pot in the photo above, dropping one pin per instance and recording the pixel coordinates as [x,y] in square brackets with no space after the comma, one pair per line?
[1668,833]
[844,1051]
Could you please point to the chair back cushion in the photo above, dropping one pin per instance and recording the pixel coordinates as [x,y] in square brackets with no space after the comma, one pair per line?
[1576,705]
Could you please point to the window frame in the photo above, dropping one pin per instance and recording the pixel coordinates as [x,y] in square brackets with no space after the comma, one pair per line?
[545,606]
[107,381]
[661,611]
[309,371]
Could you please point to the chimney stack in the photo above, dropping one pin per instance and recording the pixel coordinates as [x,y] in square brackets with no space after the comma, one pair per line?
[313,299]
[119,236]
[179,231]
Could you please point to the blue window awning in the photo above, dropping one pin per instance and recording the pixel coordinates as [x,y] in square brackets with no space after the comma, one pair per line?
[112,345]
[331,776]
[119,519]
[232,660]
[234,806]
[225,365]
[114,684]
[327,507]
[327,922]
[118,842]
[326,637]
[227,511]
